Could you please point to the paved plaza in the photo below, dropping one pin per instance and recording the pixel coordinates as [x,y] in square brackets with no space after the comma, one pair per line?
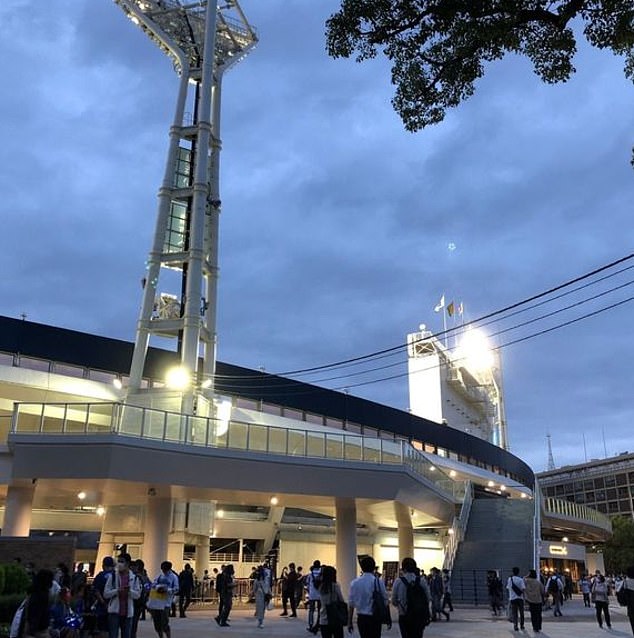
[466,622]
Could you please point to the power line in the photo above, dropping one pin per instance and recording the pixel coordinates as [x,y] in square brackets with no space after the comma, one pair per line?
[480,320]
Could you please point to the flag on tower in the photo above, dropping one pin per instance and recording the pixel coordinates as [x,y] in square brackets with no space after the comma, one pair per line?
[461,308]
[440,305]
[450,309]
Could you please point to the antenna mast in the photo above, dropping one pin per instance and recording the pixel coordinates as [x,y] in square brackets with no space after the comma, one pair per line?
[551,460]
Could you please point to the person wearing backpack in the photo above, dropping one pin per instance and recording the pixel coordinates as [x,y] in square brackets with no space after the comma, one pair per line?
[554,588]
[366,593]
[410,595]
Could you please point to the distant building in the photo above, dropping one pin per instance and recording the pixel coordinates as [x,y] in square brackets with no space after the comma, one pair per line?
[606,485]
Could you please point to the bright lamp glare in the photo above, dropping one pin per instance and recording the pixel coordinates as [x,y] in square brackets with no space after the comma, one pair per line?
[177,378]
[475,351]
[117,384]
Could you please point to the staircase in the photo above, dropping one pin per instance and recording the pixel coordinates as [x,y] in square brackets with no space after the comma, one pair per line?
[499,536]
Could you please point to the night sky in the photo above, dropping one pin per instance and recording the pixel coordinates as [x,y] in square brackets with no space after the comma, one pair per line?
[340,231]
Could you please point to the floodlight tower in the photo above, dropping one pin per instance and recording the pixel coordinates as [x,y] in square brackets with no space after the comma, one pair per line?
[203,40]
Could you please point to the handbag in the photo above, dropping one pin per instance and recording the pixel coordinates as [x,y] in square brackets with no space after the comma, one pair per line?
[380,610]
[157,599]
[337,613]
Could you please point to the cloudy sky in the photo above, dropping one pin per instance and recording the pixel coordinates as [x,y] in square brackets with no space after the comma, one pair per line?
[340,231]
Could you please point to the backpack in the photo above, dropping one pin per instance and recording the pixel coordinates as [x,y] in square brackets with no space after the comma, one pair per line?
[553,585]
[417,609]
[621,595]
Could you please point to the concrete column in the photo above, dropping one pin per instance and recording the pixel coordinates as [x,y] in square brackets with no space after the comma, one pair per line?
[346,542]
[18,509]
[158,521]
[202,556]
[105,548]
[405,531]
[175,549]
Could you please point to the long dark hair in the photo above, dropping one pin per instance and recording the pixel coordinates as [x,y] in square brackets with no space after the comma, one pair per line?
[328,578]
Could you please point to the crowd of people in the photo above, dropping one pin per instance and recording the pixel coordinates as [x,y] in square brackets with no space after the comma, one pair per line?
[65,605]
[549,591]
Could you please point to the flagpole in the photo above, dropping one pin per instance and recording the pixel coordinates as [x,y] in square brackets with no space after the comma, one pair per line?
[444,326]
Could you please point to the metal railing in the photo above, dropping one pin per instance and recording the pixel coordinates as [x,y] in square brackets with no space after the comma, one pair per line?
[458,529]
[172,427]
[560,507]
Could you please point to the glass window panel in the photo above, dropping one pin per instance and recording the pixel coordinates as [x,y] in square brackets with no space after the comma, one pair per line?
[621,479]
[611,494]
[296,443]
[100,416]
[317,419]
[372,450]
[334,446]
[271,408]
[257,438]
[237,435]
[599,483]
[289,413]
[174,427]
[277,440]
[315,444]
[624,506]
[353,448]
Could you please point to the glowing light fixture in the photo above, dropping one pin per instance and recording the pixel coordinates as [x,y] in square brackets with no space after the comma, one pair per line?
[220,513]
[502,488]
[490,484]
[475,351]
[452,473]
[81,496]
[100,511]
[177,378]
[565,539]
[117,383]
[274,500]
[206,384]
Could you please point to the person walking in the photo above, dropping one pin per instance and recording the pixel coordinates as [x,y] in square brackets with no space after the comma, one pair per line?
[289,585]
[584,588]
[554,588]
[313,580]
[121,590]
[138,567]
[516,587]
[330,594]
[362,591]
[446,583]
[534,595]
[496,591]
[164,587]
[226,595]
[628,585]
[411,622]
[37,609]
[261,594]
[185,589]
[101,604]
[437,592]
[601,601]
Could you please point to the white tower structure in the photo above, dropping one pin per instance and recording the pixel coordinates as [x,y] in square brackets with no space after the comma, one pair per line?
[203,40]
[461,388]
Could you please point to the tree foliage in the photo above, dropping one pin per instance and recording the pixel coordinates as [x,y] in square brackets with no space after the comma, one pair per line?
[438,48]
[618,552]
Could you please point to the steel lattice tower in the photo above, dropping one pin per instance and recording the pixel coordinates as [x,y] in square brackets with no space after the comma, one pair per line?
[203,40]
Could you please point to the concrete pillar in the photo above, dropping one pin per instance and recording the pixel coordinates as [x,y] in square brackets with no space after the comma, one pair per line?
[202,556]
[18,509]
[346,542]
[158,521]
[405,531]
[175,550]
[105,548]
